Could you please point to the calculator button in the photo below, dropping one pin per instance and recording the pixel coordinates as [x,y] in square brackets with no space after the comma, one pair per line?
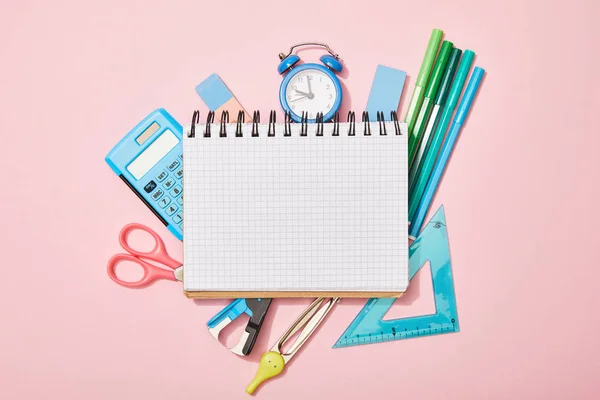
[178,217]
[158,194]
[161,177]
[179,173]
[171,209]
[173,165]
[150,186]
[164,202]
[180,200]
[169,183]
[176,191]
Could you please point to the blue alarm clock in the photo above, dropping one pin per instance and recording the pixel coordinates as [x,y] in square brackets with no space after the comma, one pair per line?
[310,88]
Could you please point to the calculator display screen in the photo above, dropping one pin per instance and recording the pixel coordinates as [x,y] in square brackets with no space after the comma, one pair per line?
[153,154]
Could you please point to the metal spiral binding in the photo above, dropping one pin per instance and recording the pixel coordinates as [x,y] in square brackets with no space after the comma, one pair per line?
[255,122]
[195,120]
[272,121]
[224,122]
[210,118]
[240,121]
[394,118]
[367,123]
[287,125]
[336,124]
[319,122]
[304,124]
[381,121]
[352,124]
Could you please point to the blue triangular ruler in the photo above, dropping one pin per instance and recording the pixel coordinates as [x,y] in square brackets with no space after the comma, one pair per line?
[370,327]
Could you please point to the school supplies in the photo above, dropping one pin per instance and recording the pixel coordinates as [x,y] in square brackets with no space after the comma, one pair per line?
[274,361]
[440,101]
[256,309]
[288,210]
[171,269]
[431,246]
[217,97]
[386,91]
[422,79]
[436,175]
[310,88]
[425,111]
[417,185]
[148,159]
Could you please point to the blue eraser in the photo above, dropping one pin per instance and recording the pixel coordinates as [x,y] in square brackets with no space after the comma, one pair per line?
[385,91]
[214,92]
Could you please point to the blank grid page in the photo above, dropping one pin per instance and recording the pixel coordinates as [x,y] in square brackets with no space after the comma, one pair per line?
[325,213]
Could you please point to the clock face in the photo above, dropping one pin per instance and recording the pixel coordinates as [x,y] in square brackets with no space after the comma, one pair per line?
[311,91]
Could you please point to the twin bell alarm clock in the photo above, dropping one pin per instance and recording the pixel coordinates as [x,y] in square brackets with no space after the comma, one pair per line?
[310,88]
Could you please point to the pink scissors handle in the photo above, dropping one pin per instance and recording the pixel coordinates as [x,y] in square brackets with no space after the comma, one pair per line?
[158,253]
[151,272]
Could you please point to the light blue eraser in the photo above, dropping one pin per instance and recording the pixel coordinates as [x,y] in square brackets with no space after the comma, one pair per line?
[385,91]
[213,92]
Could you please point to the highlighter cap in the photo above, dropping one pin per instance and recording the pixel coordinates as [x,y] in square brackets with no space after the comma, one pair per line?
[428,60]
[442,94]
[459,81]
[470,92]
[438,69]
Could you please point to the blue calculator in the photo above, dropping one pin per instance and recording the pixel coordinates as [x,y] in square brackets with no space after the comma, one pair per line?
[149,159]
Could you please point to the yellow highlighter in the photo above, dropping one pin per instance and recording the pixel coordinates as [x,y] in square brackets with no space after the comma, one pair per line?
[273,362]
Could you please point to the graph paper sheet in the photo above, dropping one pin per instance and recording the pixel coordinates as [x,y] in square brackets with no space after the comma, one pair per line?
[315,213]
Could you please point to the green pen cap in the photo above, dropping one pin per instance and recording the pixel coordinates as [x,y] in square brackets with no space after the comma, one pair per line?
[459,81]
[438,69]
[432,48]
[442,94]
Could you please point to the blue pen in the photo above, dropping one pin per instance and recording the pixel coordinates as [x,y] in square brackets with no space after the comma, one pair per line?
[440,166]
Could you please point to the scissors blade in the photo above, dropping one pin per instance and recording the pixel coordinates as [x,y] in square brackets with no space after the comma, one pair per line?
[178,273]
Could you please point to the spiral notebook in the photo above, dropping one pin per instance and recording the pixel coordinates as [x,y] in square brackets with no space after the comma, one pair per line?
[295,209]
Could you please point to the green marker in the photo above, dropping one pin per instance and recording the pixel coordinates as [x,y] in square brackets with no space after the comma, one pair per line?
[414,138]
[436,143]
[422,79]
[438,107]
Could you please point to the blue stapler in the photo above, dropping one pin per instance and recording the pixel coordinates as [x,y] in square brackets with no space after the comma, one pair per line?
[256,309]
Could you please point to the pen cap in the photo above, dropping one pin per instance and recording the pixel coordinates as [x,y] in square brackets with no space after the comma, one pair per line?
[438,69]
[432,48]
[442,94]
[470,92]
[459,81]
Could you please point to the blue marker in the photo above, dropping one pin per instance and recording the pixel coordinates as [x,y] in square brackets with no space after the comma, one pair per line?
[440,166]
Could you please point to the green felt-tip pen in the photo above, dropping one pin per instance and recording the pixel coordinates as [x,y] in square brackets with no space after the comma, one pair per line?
[418,188]
[414,138]
[436,112]
[423,78]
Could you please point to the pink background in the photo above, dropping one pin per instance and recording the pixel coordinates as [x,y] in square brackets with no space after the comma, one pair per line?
[520,195]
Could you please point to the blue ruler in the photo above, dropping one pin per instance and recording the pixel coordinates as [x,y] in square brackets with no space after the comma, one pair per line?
[370,327]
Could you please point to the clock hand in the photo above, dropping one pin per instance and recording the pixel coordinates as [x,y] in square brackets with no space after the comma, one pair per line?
[310,93]
[298,98]
[302,93]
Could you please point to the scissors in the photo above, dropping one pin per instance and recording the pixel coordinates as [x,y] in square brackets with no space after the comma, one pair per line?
[273,362]
[158,255]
